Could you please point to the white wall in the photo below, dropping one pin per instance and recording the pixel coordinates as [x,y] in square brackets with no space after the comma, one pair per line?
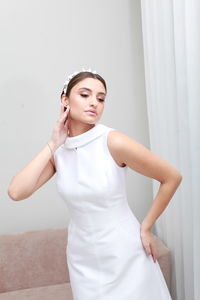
[41,43]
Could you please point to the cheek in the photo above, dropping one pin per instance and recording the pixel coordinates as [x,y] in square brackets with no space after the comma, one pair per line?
[77,108]
[101,109]
[77,104]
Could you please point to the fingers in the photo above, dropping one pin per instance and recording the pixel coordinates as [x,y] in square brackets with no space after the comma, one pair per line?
[147,249]
[64,113]
[150,250]
[61,109]
[148,243]
[153,253]
[64,116]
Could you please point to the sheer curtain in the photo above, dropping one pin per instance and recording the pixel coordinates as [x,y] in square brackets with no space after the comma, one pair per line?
[171,41]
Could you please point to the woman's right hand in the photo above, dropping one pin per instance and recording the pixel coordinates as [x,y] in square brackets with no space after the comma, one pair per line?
[60,131]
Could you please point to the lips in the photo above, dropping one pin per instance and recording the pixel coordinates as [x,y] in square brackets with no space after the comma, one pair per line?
[92,111]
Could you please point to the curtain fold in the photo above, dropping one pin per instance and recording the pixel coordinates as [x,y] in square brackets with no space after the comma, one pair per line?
[171,42]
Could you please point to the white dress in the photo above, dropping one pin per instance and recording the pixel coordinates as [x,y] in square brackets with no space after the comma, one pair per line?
[105,256]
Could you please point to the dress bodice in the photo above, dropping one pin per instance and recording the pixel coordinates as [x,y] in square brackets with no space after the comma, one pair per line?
[88,178]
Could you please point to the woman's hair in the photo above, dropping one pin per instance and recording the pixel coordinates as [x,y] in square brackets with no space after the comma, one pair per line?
[80,76]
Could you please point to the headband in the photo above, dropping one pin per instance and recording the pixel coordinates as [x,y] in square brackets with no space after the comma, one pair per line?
[72,75]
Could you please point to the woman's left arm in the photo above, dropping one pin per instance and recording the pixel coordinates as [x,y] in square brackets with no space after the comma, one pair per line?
[142,160]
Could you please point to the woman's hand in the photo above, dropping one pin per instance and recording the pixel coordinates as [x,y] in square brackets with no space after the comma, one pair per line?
[60,131]
[148,241]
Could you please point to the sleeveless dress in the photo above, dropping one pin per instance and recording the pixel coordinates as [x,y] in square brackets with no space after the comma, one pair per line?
[105,256]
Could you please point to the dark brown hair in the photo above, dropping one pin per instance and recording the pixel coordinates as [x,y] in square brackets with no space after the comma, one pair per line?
[80,76]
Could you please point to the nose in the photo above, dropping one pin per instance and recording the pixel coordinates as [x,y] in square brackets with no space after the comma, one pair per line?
[93,100]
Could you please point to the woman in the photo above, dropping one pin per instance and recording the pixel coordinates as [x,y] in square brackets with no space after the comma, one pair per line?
[110,255]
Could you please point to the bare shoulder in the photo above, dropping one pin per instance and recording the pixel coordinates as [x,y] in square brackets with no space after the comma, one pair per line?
[128,151]
[114,140]
[119,141]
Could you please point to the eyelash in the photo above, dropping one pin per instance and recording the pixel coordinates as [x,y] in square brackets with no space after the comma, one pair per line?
[84,95]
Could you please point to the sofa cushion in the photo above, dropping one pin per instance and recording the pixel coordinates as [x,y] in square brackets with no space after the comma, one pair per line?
[33,259]
[49,292]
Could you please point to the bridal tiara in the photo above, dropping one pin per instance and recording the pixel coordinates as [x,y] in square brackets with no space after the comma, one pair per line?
[73,74]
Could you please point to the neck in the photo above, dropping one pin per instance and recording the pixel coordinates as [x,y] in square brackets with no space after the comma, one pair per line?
[76,128]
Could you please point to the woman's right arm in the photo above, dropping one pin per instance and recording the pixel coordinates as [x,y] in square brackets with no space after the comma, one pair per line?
[41,168]
[35,174]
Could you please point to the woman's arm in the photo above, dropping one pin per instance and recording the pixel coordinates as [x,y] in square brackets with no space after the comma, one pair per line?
[41,168]
[34,175]
[137,157]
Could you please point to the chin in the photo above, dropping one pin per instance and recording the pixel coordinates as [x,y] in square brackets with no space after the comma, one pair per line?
[91,122]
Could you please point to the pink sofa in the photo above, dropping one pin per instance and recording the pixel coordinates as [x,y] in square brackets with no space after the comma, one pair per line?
[33,265]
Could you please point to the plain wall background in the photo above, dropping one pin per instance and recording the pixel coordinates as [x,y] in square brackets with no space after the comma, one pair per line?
[42,42]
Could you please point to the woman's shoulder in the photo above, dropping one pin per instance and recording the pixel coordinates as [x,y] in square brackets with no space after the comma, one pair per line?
[124,148]
[117,138]
[115,142]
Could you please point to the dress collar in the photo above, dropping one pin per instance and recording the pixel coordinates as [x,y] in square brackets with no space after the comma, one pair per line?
[85,137]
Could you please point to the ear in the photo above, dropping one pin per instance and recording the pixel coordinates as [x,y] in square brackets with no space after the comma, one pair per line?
[64,100]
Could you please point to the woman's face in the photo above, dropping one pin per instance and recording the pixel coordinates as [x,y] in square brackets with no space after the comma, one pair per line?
[88,94]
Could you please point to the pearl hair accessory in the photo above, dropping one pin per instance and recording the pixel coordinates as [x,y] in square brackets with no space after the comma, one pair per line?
[72,75]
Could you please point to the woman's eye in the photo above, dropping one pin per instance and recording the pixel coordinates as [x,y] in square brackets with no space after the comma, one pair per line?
[85,95]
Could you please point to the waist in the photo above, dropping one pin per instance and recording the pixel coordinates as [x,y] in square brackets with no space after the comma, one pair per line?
[98,218]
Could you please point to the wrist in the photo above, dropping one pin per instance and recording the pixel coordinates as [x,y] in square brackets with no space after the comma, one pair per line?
[52,146]
[145,227]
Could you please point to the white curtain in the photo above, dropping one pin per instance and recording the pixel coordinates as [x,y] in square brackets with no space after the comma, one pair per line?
[171,38]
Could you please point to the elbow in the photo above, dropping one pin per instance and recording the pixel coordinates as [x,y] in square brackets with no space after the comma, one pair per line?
[177,178]
[181,178]
[16,196]
[174,179]
[13,194]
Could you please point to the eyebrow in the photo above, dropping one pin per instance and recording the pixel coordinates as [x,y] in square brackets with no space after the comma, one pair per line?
[91,90]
